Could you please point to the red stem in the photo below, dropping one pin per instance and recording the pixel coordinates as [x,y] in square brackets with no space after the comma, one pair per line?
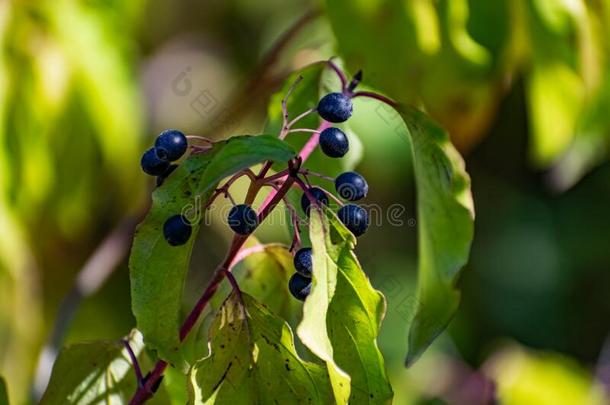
[375,96]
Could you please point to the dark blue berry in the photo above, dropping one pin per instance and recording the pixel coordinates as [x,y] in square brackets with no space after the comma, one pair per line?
[335,107]
[351,186]
[299,286]
[242,219]
[355,218]
[318,194]
[177,230]
[303,262]
[161,178]
[333,142]
[152,164]
[171,145]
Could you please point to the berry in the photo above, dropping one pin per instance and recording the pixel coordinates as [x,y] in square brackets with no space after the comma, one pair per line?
[171,145]
[335,107]
[351,186]
[303,263]
[355,218]
[177,230]
[299,286]
[152,164]
[318,194]
[333,142]
[161,178]
[243,219]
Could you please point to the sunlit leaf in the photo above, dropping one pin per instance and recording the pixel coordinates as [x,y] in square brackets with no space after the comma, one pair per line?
[93,373]
[343,314]
[253,360]
[158,270]
[445,215]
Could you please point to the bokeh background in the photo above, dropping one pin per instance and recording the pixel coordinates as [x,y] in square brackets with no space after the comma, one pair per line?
[522,85]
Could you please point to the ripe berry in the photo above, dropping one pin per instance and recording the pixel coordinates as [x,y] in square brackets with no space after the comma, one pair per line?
[351,186]
[303,262]
[333,142]
[335,107]
[242,219]
[355,218]
[318,194]
[152,164]
[177,230]
[161,178]
[171,145]
[299,286]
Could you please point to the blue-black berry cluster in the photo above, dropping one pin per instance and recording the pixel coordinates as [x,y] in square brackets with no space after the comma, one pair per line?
[170,145]
[350,186]
[299,284]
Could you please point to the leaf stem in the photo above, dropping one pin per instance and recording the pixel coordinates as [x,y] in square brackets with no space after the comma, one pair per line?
[375,96]
[298,118]
[134,361]
[339,73]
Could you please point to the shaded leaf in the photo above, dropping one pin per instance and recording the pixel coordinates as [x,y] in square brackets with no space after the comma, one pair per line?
[445,218]
[253,360]
[343,314]
[157,269]
[93,373]
[3,392]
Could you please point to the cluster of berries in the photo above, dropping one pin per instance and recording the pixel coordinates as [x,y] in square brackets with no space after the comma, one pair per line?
[171,145]
[350,186]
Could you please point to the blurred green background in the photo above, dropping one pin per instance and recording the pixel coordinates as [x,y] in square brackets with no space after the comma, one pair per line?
[522,85]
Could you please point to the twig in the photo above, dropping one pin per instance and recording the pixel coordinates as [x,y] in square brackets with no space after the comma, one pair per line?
[285,124]
[134,362]
[375,96]
[300,117]
[303,130]
[307,172]
[339,73]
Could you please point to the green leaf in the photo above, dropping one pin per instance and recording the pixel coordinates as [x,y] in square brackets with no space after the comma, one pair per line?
[157,269]
[3,392]
[343,314]
[92,373]
[445,218]
[253,360]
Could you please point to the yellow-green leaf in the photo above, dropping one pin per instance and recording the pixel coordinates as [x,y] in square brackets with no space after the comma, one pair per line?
[253,360]
[343,314]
